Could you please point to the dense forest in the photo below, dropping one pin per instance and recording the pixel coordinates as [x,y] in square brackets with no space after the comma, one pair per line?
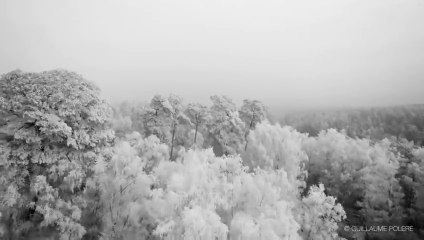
[376,123]
[74,167]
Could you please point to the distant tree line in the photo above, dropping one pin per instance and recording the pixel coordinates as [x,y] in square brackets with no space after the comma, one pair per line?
[375,123]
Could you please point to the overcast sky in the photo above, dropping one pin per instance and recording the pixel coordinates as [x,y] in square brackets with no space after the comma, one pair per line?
[289,54]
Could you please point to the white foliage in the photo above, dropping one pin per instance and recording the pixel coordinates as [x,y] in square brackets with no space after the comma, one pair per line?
[203,223]
[320,215]
[274,147]
[124,189]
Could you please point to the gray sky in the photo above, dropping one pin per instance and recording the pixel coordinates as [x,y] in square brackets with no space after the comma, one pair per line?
[293,54]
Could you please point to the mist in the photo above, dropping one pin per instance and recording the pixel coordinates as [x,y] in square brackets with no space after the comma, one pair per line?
[288,54]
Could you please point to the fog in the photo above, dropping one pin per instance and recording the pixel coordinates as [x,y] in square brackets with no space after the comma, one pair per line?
[289,54]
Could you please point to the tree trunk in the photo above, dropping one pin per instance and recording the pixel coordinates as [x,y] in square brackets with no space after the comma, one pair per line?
[245,139]
[10,233]
[172,140]
[195,133]
[27,178]
[247,133]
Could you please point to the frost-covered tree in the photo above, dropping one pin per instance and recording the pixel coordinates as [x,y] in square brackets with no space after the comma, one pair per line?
[56,125]
[124,186]
[199,116]
[157,118]
[382,195]
[336,160]
[264,206]
[124,182]
[361,174]
[178,117]
[225,127]
[163,117]
[252,112]
[185,197]
[150,150]
[320,215]
[275,147]
[276,150]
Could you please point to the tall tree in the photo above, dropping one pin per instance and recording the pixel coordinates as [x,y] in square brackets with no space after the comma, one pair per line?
[225,126]
[157,118]
[177,117]
[252,112]
[198,115]
[163,118]
[56,125]
[124,186]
